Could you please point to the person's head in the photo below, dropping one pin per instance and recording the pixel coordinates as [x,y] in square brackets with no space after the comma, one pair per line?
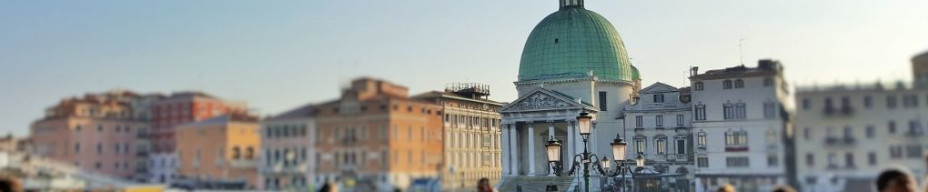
[484,185]
[726,188]
[784,188]
[894,180]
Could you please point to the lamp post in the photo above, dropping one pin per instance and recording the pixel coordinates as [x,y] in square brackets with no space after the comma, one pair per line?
[587,160]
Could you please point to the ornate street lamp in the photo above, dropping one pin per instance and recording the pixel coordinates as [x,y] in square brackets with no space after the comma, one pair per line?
[587,160]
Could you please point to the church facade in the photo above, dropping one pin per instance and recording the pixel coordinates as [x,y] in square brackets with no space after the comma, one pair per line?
[573,62]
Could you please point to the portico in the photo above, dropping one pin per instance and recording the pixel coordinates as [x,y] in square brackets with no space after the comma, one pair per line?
[532,120]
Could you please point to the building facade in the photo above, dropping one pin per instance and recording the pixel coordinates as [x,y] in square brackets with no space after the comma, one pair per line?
[658,126]
[573,62]
[97,133]
[177,109]
[287,161]
[220,149]
[741,120]
[471,135]
[376,138]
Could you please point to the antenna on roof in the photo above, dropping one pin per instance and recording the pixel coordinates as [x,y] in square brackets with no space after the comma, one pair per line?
[741,51]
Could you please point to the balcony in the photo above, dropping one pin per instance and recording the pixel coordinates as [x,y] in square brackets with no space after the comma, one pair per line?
[701,148]
[142,135]
[639,129]
[141,153]
[843,111]
[836,141]
[241,163]
[914,132]
[736,148]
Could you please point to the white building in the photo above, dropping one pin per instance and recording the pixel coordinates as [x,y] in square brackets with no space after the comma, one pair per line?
[573,62]
[658,127]
[287,159]
[847,135]
[741,116]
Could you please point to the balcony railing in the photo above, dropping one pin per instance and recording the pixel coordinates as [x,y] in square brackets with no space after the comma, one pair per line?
[912,132]
[736,148]
[141,153]
[840,141]
[843,111]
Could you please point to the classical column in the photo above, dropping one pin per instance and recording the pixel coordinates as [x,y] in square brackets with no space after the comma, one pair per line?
[550,136]
[569,142]
[506,150]
[514,148]
[531,148]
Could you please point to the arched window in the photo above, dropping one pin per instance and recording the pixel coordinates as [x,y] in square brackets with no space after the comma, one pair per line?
[726,84]
[701,138]
[236,153]
[249,153]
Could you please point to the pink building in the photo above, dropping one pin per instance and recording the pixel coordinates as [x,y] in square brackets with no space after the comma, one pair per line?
[96,133]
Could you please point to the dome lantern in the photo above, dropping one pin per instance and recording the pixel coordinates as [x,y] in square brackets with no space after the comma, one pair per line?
[571,3]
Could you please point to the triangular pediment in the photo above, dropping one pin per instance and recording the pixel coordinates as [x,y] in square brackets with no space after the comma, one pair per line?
[542,99]
[659,88]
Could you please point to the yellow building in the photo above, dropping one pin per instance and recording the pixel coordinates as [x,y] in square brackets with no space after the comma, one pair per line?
[223,148]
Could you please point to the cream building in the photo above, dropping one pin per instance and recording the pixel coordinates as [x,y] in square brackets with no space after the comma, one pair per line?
[286,142]
[741,120]
[658,126]
[471,135]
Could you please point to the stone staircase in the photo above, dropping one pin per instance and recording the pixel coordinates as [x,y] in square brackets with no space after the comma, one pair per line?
[535,183]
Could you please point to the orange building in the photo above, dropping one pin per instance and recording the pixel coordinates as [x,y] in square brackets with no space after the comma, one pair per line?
[223,148]
[375,137]
[178,109]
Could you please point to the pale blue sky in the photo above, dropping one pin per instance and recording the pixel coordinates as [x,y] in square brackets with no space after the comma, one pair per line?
[277,55]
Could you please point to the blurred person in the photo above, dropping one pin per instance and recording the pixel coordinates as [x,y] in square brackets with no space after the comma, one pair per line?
[726,188]
[483,185]
[328,187]
[9,184]
[895,180]
[784,188]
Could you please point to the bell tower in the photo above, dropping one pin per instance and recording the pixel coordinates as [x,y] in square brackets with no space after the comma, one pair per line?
[571,4]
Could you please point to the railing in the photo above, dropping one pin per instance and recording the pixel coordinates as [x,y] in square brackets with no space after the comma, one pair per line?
[840,141]
[843,111]
[915,133]
[736,148]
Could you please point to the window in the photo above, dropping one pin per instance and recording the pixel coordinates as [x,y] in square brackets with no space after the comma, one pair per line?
[739,83]
[807,133]
[772,161]
[915,127]
[737,162]
[845,102]
[806,104]
[726,84]
[680,120]
[871,131]
[236,153]
[77,148]
[698,86]
[892,127]
[639,145]
[829,105]
[910,101]
[895,152]
[810,159]
[702,161]
[848,132]
[639,120]
[740,111]
[249,153]
[701,112]
[681,146]
[99,128]
[832,160]
[659,121]
[701,139]
[602,101]
[662,146]
[768,82]
[658,98]
[770,111]
[849,160]
[736,138]
[891,102]
[913,151]
[868,102]
[728,111]
[871,158]
[99,148]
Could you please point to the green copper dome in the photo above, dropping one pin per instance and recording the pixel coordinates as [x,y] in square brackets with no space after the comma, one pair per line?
[635,74]
[572,42]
